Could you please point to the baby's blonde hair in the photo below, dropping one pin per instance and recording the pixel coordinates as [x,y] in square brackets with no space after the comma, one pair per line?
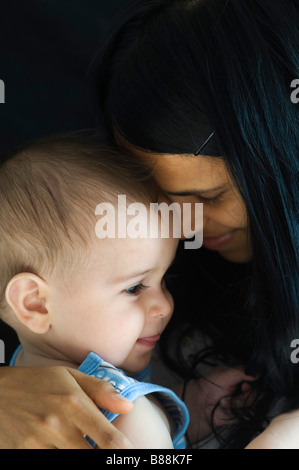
[49,190]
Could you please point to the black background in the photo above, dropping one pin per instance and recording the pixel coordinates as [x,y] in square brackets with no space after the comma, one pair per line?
[46,47]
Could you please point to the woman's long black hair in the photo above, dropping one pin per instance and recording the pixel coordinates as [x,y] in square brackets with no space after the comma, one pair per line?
[170,73]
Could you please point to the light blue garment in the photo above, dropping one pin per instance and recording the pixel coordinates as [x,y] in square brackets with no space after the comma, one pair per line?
[132,388]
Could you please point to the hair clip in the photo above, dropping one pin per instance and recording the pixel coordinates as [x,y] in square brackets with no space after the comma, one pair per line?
[204,144]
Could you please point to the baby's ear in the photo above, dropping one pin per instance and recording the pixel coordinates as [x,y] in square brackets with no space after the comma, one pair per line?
[26,295]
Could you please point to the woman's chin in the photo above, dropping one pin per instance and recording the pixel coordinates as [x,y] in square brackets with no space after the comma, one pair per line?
[237,256]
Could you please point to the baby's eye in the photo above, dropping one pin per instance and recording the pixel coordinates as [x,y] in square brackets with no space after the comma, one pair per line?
[135,290]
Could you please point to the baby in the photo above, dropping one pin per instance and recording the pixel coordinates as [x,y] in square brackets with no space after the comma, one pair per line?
[84,291]
[77,300]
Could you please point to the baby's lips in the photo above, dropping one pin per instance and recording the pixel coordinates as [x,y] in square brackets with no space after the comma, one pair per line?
[151,339]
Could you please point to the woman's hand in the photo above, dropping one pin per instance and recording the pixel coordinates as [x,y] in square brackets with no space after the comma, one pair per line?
[55,407]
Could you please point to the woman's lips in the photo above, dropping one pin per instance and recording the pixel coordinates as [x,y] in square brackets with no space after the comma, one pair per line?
[149,341]
[218,243]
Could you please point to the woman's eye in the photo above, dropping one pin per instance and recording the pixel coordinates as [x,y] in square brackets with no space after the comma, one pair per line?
[135,290]
[208,200]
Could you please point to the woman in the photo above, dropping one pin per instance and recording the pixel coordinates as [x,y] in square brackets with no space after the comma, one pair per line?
[200,91]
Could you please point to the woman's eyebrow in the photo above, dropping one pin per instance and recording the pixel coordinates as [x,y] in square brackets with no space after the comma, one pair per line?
[191,192]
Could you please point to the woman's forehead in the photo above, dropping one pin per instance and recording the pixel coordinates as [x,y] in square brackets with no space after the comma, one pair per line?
[182,172]
[176,172]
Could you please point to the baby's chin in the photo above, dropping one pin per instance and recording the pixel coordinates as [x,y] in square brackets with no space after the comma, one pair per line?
[137,367]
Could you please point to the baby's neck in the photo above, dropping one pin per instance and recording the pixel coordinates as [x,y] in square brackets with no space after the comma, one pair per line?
[28,358]
[31,356]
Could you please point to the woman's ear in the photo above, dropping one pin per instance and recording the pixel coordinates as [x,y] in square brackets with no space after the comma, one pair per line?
[26,295]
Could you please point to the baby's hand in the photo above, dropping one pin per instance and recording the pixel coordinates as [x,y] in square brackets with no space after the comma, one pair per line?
[204,394]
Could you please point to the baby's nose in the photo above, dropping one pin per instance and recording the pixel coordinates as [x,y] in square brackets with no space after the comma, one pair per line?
[163,306]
